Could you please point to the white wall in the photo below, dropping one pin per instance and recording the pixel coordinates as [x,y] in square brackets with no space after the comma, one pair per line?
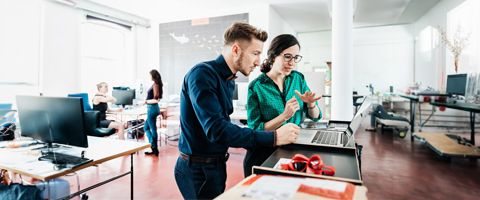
[260,15]
[55,37]
[465,16]
[276,26]
[60,50]
[430,54]
[41,48]
[19,48]
[383,56]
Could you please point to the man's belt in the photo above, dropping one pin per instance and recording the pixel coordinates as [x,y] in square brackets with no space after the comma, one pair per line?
[205,159]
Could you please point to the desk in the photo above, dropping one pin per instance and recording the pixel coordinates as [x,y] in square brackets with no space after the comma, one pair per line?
[25,162]
[413,102]
[414,99]
[469,107]
[135,112]
[344,159]
[237,191]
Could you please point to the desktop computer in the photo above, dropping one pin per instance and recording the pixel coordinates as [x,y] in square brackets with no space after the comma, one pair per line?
[456,86]
[54,120]
[124,96]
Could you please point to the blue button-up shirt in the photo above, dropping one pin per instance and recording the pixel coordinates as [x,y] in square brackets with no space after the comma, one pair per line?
[205,108]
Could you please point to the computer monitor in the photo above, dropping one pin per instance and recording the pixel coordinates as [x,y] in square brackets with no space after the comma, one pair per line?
[52,119]
[456,84]
[124,97]
[235,92]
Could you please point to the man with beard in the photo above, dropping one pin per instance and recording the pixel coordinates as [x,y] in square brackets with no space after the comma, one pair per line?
[205,107]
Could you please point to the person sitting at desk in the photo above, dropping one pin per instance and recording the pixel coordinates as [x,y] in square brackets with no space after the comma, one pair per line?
[100,103]
[278,96]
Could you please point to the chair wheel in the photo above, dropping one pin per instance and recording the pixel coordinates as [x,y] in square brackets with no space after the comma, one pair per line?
[84,197]
[402,134]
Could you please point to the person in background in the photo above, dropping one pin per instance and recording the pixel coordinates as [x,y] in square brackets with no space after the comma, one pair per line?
[278,96]
[154,94]
[100,103]
[328,78]
[205,107]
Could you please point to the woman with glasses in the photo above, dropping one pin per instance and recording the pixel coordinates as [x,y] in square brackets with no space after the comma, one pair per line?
[278,96]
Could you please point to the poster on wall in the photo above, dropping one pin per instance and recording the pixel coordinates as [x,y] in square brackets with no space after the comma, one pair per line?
[184,44]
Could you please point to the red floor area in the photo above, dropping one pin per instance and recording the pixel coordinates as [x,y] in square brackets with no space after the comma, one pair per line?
[393,168]
[153,177]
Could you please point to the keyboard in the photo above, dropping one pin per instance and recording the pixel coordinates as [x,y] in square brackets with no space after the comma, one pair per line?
[326,137]
[64,159]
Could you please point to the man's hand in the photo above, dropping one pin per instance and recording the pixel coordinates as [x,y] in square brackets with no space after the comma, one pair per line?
[287,134]
[290,108]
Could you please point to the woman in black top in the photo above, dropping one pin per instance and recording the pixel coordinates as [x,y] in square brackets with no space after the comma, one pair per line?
[100,103]
[153,96]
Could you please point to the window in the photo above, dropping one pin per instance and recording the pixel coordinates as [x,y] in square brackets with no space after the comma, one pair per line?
[107,54]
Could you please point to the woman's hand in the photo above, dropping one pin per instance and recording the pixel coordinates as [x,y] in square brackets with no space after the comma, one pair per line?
[290,108]
[308,97]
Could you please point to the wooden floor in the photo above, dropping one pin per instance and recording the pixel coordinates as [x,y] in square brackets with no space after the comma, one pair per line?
[393,168]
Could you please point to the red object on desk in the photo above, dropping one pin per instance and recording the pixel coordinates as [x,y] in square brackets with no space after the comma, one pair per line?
[312,165]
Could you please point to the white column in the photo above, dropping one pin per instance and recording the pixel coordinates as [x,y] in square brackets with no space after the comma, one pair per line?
[342,60]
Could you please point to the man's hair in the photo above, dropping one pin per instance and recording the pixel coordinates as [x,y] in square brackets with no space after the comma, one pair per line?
[243,31]
[100,85]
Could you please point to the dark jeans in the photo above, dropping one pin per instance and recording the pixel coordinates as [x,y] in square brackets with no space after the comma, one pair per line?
[150,126]
[256,156]
[200,181]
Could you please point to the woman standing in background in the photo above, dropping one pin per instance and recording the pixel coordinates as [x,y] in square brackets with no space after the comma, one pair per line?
[154,94]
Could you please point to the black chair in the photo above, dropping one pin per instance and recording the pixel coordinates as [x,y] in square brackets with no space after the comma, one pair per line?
[92,125]
[356,102]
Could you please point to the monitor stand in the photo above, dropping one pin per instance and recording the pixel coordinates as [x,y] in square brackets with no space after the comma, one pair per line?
[47,147]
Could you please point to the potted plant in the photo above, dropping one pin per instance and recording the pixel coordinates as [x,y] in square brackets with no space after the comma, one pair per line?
[455,44]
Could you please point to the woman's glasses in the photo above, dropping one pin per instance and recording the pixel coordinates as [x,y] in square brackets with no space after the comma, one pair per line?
[289,57]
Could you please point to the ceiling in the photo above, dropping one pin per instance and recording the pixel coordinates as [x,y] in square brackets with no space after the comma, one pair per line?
[302,15]
[314,15]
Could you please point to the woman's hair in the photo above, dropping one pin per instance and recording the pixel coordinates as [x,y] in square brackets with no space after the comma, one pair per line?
[100,85]
[278,44]
[156,77]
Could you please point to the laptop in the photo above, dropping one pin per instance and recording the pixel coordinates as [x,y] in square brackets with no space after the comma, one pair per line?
[334,136]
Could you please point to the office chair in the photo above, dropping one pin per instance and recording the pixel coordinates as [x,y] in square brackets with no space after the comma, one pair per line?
[357,103]
[84,96]
[6,113]
[92,125]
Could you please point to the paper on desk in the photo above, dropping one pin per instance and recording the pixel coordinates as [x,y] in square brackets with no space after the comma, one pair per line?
[273,188]
[336,186]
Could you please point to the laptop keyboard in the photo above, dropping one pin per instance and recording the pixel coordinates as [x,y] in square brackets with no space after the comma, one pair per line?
[326,137]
